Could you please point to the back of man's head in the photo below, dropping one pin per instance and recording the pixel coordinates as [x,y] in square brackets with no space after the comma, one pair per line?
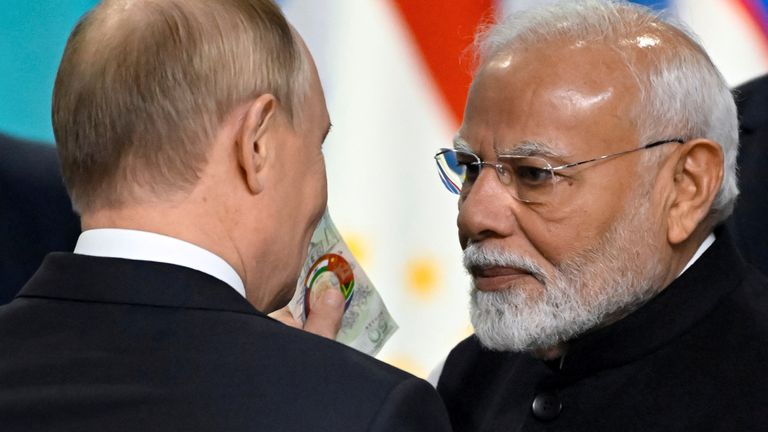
[144,84]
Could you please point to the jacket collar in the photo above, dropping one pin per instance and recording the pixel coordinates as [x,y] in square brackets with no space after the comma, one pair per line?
[753,112]
[662,319]
[115,280]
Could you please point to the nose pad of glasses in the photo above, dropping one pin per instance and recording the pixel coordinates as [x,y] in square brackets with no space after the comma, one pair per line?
[505,176]
[475,173]
[502,172]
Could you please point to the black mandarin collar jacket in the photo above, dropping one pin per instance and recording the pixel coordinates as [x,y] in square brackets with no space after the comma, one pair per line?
[692,358]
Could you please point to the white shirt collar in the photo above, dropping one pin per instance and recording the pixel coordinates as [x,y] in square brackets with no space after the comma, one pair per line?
[700,251]
[147,246]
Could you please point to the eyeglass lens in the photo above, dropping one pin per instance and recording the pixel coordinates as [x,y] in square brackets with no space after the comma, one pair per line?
[531,179]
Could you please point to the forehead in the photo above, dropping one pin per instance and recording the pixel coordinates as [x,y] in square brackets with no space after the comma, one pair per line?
[575,98]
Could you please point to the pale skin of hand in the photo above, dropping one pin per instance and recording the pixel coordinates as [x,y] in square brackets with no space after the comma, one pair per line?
[325,319]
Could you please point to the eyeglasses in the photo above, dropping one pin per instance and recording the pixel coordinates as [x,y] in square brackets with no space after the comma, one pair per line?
[531,179]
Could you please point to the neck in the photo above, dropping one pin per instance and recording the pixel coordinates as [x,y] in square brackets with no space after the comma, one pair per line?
[550,353]
[211,224]
[681,254]
[182,220]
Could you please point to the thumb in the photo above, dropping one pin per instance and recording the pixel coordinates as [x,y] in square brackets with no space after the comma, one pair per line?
[325,318]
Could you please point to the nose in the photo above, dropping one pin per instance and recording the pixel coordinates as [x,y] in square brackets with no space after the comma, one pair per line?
[486,210]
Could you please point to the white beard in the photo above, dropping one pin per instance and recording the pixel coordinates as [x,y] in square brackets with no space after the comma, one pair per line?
[611,279]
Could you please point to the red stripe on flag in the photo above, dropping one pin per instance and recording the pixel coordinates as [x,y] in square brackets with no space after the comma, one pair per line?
[757,15]
[443,30]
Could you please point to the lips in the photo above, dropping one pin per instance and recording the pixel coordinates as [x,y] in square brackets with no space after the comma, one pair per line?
[498,278]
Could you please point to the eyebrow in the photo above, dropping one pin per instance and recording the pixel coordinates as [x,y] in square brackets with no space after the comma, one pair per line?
[460,143]
[532,148]
[525,148]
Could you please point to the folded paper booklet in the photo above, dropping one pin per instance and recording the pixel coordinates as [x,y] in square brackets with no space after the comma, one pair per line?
[366,325]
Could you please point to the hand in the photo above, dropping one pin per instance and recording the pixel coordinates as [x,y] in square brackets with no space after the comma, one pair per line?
[325,319]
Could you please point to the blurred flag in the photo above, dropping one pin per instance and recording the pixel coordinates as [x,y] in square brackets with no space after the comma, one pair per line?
[32,39]
[396,73]
[734,32]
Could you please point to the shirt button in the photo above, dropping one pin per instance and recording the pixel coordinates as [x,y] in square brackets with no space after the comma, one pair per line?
[546,406]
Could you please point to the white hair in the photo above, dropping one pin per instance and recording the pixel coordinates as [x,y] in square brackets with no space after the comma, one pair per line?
[682,94]
[588,289]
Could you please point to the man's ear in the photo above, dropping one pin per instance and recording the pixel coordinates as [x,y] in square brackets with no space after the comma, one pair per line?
[697,178]
[253,140]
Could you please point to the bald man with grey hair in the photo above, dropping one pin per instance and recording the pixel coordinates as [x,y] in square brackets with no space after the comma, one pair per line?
[606,293]
[190,136]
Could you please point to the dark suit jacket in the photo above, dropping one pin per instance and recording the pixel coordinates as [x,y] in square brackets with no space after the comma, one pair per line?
[692,359]
[36,216]
[749,222]
[105,344]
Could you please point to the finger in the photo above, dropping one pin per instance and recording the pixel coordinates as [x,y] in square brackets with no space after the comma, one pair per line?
[325,318]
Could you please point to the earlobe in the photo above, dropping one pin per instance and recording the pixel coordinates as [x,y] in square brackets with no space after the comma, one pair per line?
[253,139]
[697,179]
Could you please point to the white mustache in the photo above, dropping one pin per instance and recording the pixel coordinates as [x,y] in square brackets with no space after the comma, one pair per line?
[477,257]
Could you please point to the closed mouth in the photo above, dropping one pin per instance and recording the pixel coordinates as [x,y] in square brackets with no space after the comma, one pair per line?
[497,278]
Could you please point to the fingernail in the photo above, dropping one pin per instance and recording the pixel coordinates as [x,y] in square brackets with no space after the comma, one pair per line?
[333,298]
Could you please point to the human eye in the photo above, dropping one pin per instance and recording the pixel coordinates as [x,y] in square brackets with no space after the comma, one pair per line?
[531,172]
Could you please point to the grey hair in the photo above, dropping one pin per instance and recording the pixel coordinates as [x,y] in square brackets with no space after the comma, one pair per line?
[682,94]
[144,86]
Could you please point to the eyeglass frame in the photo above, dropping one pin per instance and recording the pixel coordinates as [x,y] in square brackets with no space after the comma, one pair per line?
[497,165]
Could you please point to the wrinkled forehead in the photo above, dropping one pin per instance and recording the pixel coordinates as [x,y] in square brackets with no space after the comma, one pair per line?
[560,97]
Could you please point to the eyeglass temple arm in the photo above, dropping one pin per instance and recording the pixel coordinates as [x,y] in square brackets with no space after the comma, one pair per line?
[613,155]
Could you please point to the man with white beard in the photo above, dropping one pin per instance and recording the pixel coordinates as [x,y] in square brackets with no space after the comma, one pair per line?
[605,295]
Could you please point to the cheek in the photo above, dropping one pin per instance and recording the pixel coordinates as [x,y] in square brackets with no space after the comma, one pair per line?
[323,176]
[573,228]
[320,187]
[314,191]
